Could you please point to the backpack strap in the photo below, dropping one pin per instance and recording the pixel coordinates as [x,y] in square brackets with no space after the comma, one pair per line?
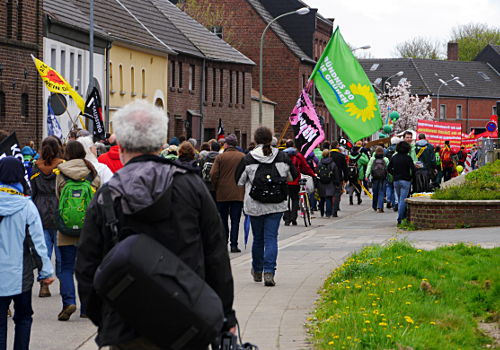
[421,151]
[110,219]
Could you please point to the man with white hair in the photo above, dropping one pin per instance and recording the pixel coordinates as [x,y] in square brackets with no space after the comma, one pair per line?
[157,197]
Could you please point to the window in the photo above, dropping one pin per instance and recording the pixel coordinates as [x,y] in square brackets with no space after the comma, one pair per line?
[79,68]
[143,75]
[63,64]
[10,4]
[111,89]
[72,68]
[374,67]
[237,87]
[24,105]
[304,81]
[221,86]
[494,110]
[2,105]
[459,111]
[243,88]
[180,75]
[231,86]
[206,84]
[172,74]
[192,77]
[120,73]
[217,30]
[484,75]
[19,19]
[214,85]
[53,57]
[132,82]
[442,111]
[209,133]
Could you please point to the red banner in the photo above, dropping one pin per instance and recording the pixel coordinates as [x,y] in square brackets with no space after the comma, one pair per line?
[438,132]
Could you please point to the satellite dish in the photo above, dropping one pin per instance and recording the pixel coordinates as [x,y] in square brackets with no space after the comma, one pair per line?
[58,103]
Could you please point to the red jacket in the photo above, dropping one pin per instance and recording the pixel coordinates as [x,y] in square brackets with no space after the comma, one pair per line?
[112,159]
[300,163]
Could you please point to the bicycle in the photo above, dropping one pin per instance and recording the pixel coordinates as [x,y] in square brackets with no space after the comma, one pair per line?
[304,205]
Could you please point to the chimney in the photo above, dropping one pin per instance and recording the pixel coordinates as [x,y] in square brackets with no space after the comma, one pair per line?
[452,51]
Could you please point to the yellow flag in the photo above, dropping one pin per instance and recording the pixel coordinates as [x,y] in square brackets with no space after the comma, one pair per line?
[56,83]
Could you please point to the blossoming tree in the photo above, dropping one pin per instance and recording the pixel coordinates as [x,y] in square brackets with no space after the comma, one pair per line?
[410,107]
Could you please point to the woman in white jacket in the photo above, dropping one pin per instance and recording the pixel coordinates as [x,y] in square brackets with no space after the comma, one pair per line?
[91,150]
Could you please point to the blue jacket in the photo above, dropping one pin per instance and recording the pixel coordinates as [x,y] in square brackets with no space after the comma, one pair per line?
[16,267]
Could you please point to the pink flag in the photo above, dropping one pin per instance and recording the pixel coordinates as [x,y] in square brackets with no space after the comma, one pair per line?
[306,125]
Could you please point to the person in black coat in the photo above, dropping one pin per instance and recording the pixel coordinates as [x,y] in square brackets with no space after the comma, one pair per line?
[341,162]
[327,188]
[161,198]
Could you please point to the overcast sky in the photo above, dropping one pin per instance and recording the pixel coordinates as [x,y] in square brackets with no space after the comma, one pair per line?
[384,23]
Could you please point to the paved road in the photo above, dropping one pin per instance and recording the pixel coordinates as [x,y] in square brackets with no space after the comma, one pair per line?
[273,318]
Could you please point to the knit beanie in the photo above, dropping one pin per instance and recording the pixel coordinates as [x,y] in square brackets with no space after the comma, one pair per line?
[11,170]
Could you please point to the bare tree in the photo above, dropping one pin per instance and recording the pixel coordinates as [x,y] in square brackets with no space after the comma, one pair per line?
[472,38]
[419,47]
[213,15]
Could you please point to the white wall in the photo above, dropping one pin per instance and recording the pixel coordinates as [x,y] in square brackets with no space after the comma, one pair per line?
[267,117]
[73,64]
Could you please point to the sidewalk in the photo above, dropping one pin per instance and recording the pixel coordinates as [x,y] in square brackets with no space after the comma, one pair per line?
[273,318]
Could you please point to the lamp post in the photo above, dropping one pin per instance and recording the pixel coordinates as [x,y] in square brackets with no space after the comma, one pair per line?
[366,47]
[439,89]
[302,11]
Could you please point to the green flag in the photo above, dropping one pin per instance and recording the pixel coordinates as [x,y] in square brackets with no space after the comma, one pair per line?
[346,90]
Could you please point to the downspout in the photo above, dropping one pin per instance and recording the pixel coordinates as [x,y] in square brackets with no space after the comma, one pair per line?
[107,92]
[467,119]
[202,100]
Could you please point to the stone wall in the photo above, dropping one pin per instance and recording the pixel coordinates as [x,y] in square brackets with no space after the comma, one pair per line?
[426,213]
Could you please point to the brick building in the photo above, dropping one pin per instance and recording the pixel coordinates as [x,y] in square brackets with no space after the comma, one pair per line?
[470,105]
[20,86]
[291,46]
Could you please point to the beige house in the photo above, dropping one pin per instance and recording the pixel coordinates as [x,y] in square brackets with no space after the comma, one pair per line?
[268,107]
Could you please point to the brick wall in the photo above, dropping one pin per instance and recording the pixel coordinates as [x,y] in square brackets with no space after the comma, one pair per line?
[441,214]
[18,75]
[235,114]
[476,112]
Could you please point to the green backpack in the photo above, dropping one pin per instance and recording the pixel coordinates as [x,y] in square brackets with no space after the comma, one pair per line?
[73,202]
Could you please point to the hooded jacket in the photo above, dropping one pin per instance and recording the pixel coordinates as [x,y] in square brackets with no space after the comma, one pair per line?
[43,187]
[426,152]
[75,169]
[245,175]
[16,265]
[158,197]
[300,163]
[112,159]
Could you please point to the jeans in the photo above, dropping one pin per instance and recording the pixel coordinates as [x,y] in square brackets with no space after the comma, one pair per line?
[313,201]
[378,188]
[265,241]
[66,277]
[402,188]
[22,318]
[389,193]
[51,243]
[329,205]
[231,210]
[293,199]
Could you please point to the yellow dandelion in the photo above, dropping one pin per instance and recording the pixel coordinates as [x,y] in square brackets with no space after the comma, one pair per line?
[432,323]
[408,303]
[330,342]
[419,250]
[367,321]
[389,336]
[383,324]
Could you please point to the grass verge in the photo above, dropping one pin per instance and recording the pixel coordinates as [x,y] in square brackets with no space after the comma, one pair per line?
[399,297]
[481,184]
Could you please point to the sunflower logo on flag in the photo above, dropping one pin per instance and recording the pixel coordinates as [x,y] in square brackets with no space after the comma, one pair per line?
[365,105]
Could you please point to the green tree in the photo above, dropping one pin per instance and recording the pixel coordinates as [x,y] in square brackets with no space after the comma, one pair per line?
[419,47]
[472,38]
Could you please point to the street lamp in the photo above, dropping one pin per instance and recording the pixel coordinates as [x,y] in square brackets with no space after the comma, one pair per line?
[439,89]
[398,74]
[302,11]
[366,47]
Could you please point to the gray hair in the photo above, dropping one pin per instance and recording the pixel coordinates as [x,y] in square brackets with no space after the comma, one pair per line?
[140,127]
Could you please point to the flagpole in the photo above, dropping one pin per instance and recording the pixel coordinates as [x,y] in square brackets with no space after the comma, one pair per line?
[91,46]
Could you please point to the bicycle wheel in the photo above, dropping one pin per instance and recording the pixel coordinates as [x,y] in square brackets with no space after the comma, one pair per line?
[308,210]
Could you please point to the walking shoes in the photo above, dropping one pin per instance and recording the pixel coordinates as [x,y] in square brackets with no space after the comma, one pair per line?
[66,312]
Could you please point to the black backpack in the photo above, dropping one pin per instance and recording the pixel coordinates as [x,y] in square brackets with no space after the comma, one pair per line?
[155,292]
[352,169]
[379,169]
[268,185]
[325,173]
[205,171]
